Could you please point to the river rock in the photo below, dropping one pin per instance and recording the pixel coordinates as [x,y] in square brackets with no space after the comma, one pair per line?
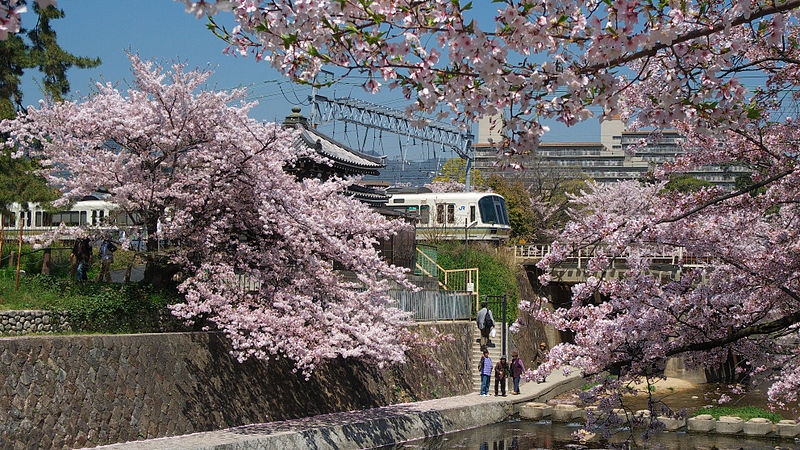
[730,425]
[757,426]
[671,423]
[787,428]
[563,413]
[535,411]
[702,423]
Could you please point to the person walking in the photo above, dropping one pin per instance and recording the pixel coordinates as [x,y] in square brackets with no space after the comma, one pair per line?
[81,258]
[485,370]
[541,355]
[485,324]
[500,374]
[517,368]
[107,249]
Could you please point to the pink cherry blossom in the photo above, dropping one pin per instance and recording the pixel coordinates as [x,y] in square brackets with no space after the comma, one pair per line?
[282,266]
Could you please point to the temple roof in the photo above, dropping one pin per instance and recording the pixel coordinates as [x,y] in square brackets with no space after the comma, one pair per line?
[344,158]
[338,152]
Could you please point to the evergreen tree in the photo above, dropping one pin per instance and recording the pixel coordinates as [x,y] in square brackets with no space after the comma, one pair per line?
[18,179]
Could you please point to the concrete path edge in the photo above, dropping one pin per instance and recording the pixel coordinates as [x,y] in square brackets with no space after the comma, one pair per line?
[369,428]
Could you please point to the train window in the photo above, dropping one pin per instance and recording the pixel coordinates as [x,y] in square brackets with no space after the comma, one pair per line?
[451,213]
[70,218]
[123,218]
[94,217]
[471,213]
[493,210]
[8,220]
[399,200]
[424,214]
[440,213]
[83,218]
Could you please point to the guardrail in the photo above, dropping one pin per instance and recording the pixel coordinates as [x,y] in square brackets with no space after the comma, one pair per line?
[434,305]
[535,252]
[424,305]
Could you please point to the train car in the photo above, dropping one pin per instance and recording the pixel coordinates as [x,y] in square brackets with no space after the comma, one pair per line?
[89,211]
[478,216]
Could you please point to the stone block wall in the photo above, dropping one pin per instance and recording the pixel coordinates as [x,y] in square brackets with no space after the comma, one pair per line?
[26,322]
[77,391]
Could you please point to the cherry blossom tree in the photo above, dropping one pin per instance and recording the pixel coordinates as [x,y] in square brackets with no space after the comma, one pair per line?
[256,246]
[720,72]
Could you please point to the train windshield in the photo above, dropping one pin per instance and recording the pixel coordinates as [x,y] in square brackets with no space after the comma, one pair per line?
[493,210]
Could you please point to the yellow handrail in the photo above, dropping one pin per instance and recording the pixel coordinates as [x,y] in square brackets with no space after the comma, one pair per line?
[453,278]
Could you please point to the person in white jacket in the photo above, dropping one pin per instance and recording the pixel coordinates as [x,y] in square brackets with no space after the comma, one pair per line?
[485,324]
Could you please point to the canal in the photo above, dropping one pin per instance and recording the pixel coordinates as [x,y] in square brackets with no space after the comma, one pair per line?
[521,434]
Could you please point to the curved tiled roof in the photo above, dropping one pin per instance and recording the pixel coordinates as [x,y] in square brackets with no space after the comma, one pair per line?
[338,152]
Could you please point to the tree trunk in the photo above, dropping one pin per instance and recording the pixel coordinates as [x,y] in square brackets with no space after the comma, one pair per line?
[46,262]
[158,270]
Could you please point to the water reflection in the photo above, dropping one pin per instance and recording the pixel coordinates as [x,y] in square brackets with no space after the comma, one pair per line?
[520,435]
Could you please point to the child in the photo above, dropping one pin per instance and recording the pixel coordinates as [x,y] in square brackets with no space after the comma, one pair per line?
[517,368]
[485,370]
[500,374]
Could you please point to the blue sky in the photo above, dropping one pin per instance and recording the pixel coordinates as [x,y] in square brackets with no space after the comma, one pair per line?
[161,30]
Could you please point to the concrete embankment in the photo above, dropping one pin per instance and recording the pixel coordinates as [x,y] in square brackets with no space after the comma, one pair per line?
[369,428]
[83,391]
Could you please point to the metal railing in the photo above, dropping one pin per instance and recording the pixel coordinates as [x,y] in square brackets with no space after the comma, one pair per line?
[426,261]
[424,305]
[434,305]
[535,252]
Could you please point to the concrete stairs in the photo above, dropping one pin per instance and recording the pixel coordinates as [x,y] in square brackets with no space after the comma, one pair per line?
[494,352]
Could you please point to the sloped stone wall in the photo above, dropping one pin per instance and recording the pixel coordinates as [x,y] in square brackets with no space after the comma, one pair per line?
[75,391]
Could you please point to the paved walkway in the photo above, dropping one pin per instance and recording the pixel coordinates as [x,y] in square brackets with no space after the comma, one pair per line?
[369,428]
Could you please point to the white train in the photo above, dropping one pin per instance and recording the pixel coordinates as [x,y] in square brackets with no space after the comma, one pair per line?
[451,216]
[89,211]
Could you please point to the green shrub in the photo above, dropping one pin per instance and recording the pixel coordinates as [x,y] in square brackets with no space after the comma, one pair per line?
[90,306]
[745,412]
[496,273]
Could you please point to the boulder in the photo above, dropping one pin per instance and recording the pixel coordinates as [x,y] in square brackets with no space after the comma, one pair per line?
[730,425]
[757,426]
[702,423]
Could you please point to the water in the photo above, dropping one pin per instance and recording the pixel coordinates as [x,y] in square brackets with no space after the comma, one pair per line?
[521,434]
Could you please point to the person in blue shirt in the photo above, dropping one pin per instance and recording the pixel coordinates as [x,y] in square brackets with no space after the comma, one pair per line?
[485,369]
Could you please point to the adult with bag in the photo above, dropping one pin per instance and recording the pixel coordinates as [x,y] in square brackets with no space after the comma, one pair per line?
[485,324]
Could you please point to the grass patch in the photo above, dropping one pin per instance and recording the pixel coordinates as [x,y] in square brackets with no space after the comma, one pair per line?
[745,412]
[497,274]
[588,386]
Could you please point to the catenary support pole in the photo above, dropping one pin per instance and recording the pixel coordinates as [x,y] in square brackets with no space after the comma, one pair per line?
[19,249]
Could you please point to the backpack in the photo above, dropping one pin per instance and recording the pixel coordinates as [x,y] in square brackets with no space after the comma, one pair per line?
[487,321]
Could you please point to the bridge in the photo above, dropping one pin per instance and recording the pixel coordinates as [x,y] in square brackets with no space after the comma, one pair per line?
[574,268]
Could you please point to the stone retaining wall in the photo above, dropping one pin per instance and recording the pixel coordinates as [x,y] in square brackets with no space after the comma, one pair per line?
[26,322]
[74,391]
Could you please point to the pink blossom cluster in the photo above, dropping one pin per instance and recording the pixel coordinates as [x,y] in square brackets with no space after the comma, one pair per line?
[682,65]
[220,185]
[445,186]
[534,60]
[10,11]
